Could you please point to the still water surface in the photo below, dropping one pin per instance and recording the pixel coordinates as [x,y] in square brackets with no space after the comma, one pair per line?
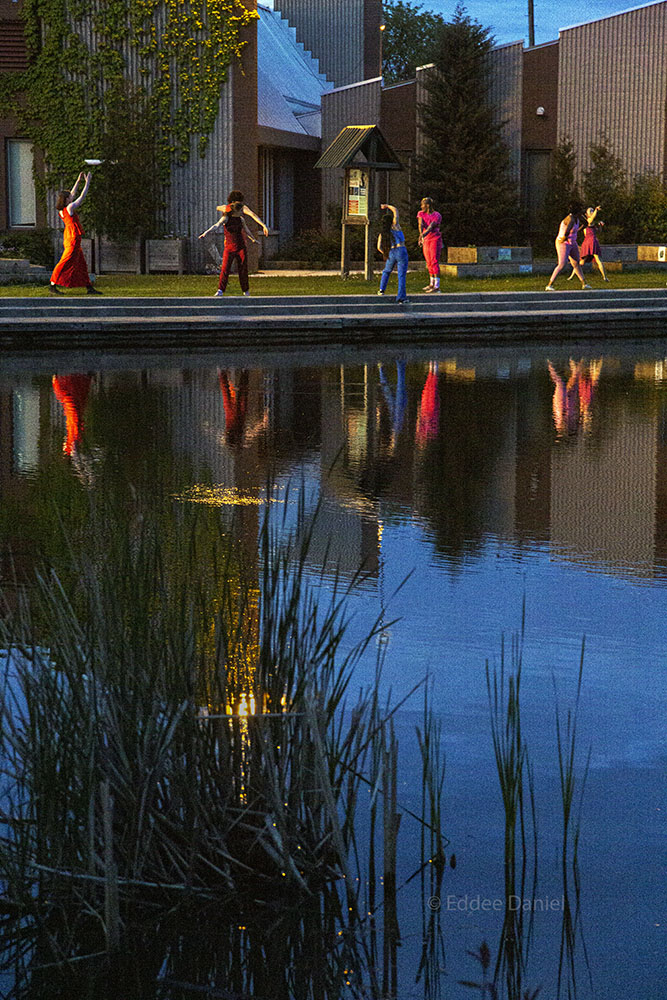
[470,488]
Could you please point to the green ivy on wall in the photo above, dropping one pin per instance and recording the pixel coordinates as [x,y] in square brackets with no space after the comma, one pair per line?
[132,81]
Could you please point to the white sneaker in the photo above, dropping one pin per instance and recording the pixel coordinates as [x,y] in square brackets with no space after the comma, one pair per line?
[246,293]
[550,288]
[380,293]
[218,294]
[585,286]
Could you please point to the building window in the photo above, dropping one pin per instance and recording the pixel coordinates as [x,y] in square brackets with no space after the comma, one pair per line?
[267,173]
[21,183]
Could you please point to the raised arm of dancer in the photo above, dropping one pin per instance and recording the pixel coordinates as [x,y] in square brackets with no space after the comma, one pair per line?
[75,186]
[394,212]
[74,204]
[257,219]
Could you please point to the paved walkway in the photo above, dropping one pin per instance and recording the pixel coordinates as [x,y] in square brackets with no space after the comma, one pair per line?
[43,324]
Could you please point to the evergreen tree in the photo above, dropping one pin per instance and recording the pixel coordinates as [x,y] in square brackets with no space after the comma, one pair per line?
[463,164]
[605,184]
[408,39]
[562,188]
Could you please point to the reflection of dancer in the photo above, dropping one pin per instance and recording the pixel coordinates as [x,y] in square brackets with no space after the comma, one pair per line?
[428,418]
[567,247]
[588,380]
[72,394]
[71,271]
[430,240]
[590,249]
[572,400]
[397,402]
[391,244]
[235,402]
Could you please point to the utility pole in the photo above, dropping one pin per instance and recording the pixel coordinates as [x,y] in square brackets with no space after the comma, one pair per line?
[531,24]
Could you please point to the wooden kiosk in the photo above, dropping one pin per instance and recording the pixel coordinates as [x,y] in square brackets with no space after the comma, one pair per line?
[360,150]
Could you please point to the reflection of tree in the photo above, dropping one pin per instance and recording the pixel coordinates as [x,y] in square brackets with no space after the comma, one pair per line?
[455,469]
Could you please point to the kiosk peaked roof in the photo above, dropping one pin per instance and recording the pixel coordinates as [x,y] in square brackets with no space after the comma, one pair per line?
[356,141]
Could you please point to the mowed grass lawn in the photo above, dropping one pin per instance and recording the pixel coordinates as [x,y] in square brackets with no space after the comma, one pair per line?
[268,284]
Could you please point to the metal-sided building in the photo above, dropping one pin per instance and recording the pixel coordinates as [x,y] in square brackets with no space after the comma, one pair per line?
[312,67]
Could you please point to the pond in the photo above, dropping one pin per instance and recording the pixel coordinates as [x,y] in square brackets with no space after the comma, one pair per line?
[496,500]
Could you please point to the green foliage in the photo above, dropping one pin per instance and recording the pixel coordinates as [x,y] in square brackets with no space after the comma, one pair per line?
[35,245]
[78,98]
[464,164]
[313,246]
[647,213]
[408,39]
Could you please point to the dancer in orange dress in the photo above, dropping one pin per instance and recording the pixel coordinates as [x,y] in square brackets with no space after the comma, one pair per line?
[71,271]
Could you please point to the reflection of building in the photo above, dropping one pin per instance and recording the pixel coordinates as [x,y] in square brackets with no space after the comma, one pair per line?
[603,495]
[495,468]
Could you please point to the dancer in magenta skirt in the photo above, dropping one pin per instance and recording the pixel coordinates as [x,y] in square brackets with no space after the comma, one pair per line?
[590,248]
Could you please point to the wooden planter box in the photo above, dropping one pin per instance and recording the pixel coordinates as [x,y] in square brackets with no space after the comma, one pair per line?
[489,255]
[165,255]
[652,251]
[116,256]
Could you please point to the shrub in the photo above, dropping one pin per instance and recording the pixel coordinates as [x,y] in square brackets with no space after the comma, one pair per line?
[322,247]
[647,221]
[35,244]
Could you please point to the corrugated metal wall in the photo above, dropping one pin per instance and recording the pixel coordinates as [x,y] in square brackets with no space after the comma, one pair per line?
[506,70]
[613,80]
[356,105]
[333,30]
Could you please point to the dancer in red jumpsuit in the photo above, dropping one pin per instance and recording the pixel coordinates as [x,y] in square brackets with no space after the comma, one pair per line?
[235,230]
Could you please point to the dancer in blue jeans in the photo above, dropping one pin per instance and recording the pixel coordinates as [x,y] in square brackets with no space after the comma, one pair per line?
[391,244]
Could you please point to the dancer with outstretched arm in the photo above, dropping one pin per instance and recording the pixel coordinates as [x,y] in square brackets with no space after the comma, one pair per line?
[391,244]
[567,247]
[71,271]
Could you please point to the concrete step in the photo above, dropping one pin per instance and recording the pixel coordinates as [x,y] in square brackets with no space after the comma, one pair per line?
[35,324]
[18,270]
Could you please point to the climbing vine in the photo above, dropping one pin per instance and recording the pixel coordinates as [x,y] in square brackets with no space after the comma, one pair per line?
[135,83]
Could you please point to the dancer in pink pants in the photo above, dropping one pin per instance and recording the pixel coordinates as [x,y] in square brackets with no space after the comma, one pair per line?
[430,240]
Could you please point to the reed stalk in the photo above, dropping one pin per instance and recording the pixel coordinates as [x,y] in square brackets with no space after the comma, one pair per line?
[176,735]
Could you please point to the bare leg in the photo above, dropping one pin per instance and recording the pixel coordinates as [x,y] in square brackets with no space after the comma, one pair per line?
[576,267]
[600,267]
[561,250]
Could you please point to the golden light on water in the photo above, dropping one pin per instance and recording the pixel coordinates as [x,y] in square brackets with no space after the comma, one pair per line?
[221,496]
